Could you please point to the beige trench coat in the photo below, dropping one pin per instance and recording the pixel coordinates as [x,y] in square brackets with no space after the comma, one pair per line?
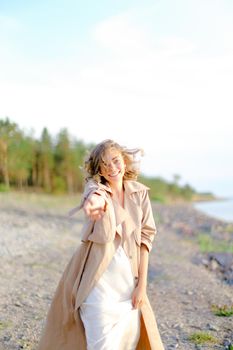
[64,329]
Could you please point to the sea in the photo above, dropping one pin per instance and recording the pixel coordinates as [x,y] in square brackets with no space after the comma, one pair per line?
[220,209]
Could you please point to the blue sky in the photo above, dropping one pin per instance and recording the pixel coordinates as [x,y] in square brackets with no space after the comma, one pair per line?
[153,74]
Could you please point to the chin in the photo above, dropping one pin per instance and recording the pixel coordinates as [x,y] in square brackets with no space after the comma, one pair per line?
[117,178]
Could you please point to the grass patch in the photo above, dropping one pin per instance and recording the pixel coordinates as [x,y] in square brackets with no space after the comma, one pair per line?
[4,188]
[5,324]
[223,310]
[202,338]
[229,229]
[207,244]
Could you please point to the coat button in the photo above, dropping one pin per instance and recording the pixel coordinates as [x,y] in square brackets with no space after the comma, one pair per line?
[130,256]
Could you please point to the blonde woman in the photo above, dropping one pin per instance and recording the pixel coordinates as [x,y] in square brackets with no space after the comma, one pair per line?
[101,301]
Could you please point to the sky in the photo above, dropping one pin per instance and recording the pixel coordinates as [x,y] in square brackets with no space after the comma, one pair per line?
[151,74]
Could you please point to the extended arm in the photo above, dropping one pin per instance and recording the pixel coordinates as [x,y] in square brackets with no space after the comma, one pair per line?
[94,206]
[139,293]
[148,231]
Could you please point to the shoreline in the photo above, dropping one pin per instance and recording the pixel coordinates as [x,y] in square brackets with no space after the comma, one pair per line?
[215,199]
[216,209]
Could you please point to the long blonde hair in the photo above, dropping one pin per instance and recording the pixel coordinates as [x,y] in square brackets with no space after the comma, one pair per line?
[94,160]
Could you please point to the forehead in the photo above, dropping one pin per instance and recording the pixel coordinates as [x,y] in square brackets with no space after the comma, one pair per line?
[110,154]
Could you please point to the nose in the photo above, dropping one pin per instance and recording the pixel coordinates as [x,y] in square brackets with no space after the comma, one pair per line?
[111,166]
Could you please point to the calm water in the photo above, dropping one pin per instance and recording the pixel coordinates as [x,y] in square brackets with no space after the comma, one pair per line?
[218,209]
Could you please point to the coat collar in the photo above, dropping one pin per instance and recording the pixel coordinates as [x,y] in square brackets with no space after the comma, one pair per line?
[131,186]
[128,214]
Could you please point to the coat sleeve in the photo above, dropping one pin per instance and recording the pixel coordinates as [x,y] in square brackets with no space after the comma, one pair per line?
[90,188]
[148,228]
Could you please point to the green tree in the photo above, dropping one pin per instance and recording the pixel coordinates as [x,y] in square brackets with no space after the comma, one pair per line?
[65,160]
[8,132]
[20,159]
[45,160]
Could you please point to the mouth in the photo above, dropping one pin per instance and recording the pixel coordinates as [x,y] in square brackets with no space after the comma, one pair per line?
[114,174]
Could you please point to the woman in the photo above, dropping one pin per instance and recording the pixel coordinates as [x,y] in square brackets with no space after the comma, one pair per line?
[101,302]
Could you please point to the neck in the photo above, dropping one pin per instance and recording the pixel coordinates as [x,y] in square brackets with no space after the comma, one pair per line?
[117,188]
[118,193]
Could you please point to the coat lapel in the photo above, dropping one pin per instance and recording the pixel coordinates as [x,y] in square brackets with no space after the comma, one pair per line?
[132,206]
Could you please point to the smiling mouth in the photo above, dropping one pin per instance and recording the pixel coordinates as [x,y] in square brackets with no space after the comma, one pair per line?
[115,174]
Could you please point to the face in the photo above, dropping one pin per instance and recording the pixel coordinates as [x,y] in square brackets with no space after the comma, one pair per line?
[112,167]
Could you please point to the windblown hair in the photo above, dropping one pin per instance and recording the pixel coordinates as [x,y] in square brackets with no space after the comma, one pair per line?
[95,158]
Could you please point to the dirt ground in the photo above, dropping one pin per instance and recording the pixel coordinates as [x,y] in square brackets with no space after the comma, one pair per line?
[37,239]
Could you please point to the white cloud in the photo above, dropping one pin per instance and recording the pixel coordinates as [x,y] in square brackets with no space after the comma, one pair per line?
[174,45]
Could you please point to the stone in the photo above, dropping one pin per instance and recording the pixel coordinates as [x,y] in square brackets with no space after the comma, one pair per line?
[212,327]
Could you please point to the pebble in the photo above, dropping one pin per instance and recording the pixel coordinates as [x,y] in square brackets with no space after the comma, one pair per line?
[212,327]
[6,338]
[227,343]
[198,347]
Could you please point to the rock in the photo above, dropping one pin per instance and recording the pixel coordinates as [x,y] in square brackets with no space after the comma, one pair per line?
[213,265]
[183,228]
[212,327]
[6,338]
[189,292]
[18,304]
[198,347]
[178,326]
[205,262]
[228,277]
[223,259]
[227,343]
[207,228]
[222,262]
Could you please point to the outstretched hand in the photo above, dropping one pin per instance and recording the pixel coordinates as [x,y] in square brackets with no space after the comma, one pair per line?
[94,207]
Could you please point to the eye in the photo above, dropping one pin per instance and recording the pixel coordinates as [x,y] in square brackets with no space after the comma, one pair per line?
[103,164]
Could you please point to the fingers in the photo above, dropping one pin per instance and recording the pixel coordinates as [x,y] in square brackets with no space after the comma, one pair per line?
[92,210]
[96,214]
[137,303]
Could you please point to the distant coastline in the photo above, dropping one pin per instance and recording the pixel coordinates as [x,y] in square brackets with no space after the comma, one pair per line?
[221,208]
[209,198]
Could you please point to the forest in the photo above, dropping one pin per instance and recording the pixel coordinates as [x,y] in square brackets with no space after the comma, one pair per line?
[53,164]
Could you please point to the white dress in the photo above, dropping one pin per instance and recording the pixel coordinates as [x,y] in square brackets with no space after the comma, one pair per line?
[109,319]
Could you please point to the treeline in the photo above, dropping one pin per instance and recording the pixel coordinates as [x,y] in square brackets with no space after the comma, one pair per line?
[165,191]
[53,164]
[47,164]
